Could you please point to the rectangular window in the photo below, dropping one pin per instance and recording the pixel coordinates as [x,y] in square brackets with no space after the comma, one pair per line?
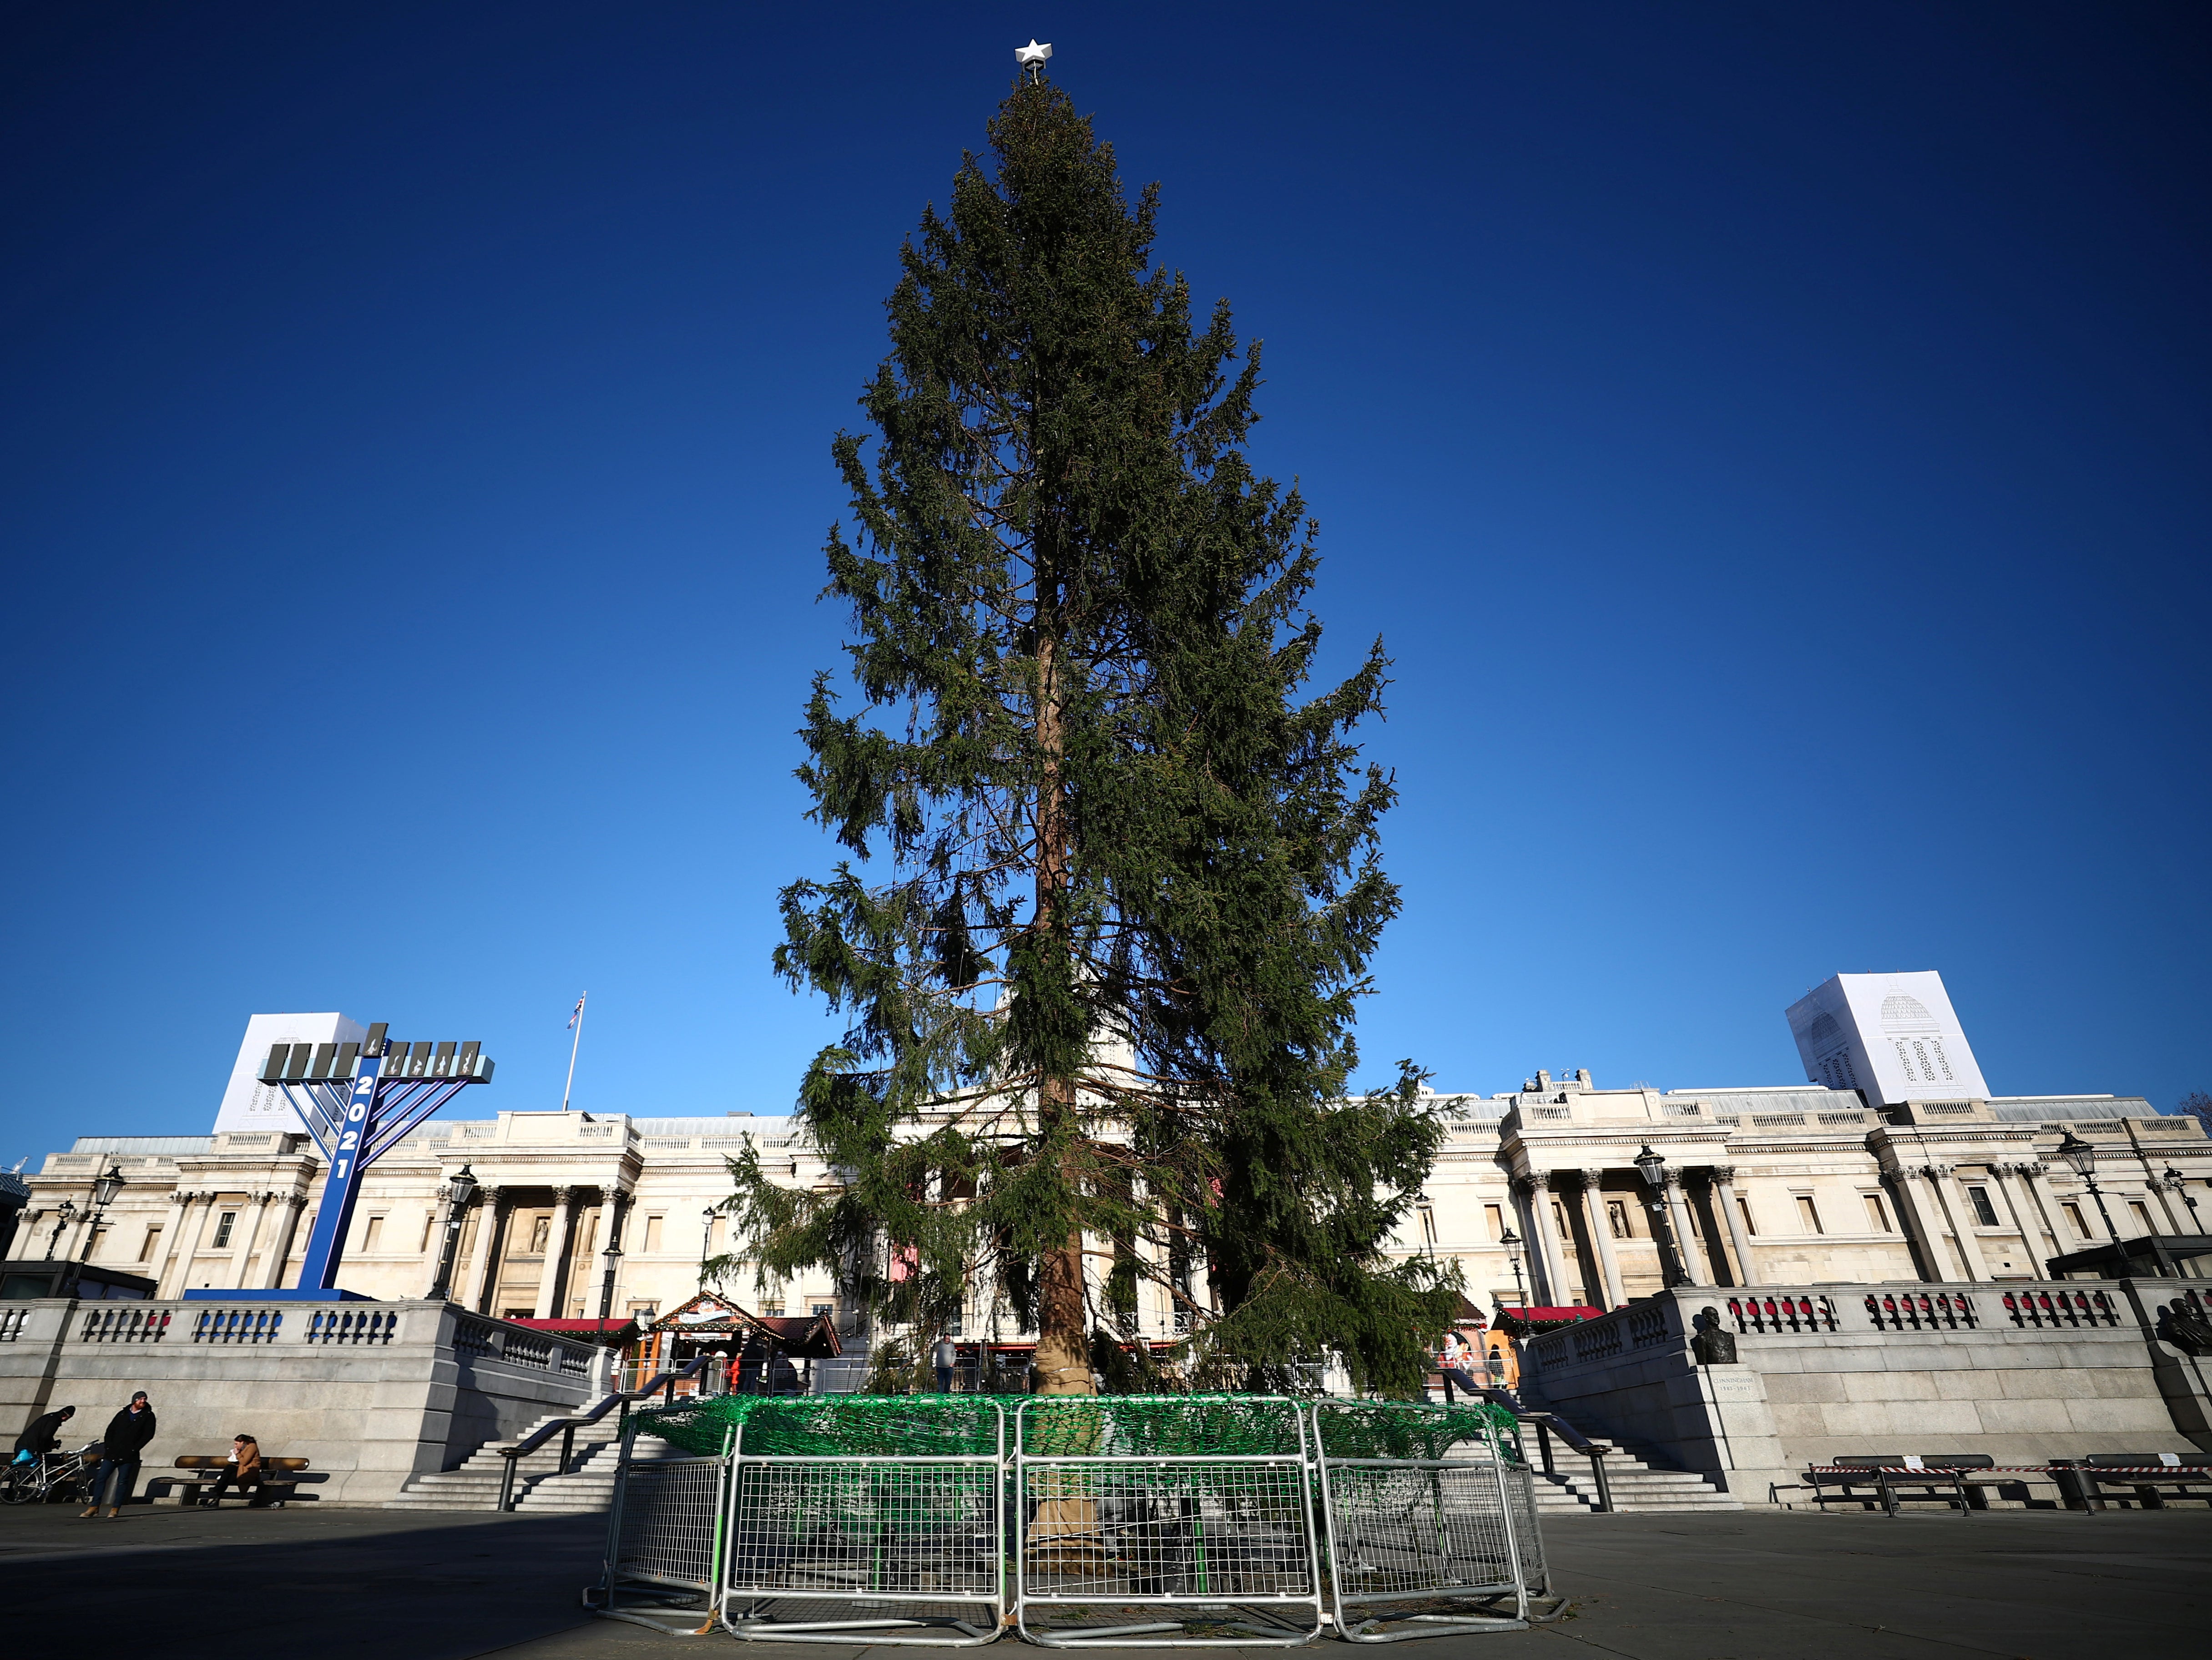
[100,1231]
[652,1234]
[1877,1215]
[1690,1210]
[1808,1216]
[1985,1211]
[1616,1218]
[2141,1216]
[223,1224]
[151,1249]
[1495,1216]
[429,1225]
[372,1238]
[1559,1222]
[2073,1219]
[643,1310]
[1743,1207]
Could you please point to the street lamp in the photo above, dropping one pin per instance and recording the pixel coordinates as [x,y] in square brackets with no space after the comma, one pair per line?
[104,1189]
[61,1221]
[459,1192]
[2179,1183]
[705,1243]
[1653,1169]
[1511,1240]
[613,1254]
[2083,1157]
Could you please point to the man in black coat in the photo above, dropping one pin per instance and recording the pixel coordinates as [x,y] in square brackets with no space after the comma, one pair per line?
[128,1433]
[43,1433]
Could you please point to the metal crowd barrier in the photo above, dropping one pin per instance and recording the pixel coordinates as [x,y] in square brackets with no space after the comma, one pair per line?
[1163,1521]
[1197,1512]
[1429,1533]
[663,1550]
[867,1548]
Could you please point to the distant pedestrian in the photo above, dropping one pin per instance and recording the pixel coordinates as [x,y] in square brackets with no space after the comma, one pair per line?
[1452,1363]
[41,1436]
[241,1470]
[945,1357]
[116,1472]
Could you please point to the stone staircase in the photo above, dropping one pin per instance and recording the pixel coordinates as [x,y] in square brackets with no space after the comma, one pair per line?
[1637,1489]
[590,1486]
[474,1486]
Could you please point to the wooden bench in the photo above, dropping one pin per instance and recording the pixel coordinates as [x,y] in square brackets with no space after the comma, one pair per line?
[280,1478]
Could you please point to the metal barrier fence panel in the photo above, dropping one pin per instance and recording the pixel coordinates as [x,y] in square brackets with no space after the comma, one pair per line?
[1165,1521]
[902,1543]
[1425,1545]
[662,1538]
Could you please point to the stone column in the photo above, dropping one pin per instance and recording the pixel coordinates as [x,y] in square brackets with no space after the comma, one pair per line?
[173,1238]
[279,1254]
[1550,1259]
[1678,1217]
[244,1254]
[492,1207]
[1724,1200]
[1918,1214]
[1585,1182]
[1942,1178]
[2037,1178]
[203,1207]
[2030,1240]
[556,1255]
[170,1224]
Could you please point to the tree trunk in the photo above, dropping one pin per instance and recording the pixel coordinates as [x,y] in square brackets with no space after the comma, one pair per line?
[1063,1356]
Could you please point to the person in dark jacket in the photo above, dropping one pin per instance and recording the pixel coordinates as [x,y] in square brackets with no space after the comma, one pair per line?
[43,1434]
[128,1433]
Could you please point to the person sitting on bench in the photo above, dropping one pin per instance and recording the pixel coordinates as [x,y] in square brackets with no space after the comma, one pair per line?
[243,1471]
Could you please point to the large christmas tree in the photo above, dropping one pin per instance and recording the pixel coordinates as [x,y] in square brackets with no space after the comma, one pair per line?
[1102,979]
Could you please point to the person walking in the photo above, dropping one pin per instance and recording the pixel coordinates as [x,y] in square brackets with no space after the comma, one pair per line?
[1452,1363]
[41,1436]
[128,1433]
[242,1471]
[945,1357]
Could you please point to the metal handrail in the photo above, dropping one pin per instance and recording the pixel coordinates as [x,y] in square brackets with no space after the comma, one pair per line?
[567,1426]
[1548,1424]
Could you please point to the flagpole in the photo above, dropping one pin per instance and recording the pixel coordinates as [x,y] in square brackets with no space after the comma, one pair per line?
[578,1022]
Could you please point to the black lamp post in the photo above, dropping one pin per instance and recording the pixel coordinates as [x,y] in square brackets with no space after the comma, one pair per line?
[2083,1157]
[104,1189]
[706,1242]
[612,1255]
[61,1221]
[1653,1169]
[2179,1183]
[459,1192]
[1511,1240]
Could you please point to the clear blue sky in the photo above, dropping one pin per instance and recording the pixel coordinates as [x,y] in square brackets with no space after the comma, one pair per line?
[1773,439]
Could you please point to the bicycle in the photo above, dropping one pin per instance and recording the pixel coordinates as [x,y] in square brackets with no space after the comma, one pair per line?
[56,1475]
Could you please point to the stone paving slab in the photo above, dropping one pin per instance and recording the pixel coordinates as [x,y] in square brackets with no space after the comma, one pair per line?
[1756,1586]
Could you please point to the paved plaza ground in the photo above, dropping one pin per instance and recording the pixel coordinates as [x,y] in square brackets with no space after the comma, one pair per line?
[307,1581]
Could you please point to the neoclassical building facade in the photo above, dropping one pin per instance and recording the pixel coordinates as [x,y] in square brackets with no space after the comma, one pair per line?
[1535,1195]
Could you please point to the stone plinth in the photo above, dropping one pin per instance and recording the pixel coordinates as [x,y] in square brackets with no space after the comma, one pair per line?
[2023,1372]
[371,1394]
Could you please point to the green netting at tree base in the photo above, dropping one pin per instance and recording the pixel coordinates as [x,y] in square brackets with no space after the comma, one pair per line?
[1068,1426]
[1159,1425]
[836,1425]
[1407,1429]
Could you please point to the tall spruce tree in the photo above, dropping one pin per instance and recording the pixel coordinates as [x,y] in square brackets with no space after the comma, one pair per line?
[1101,999]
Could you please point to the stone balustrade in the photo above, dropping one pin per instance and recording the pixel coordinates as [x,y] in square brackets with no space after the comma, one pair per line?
[371,1393]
